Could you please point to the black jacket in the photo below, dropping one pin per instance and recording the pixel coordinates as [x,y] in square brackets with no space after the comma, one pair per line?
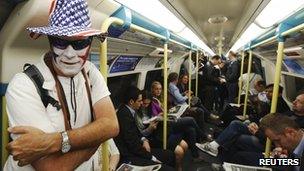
[212,75]
[282,106]
[233,72]
[128,140]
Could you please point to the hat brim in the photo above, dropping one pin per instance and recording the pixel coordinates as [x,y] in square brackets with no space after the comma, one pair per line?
[73,31]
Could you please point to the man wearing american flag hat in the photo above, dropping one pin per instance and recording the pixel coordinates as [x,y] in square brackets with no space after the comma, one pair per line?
[65,134]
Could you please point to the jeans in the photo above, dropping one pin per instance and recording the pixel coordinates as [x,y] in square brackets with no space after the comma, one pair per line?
[237,138]
[249,143]
[235,129]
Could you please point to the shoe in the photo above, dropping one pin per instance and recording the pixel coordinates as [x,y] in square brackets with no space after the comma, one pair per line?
[217,167]
[207,148]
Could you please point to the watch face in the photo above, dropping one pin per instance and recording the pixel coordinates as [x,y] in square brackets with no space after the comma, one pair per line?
[65,147]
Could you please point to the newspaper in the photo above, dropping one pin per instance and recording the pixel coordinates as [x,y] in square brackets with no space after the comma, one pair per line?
[173,114]
[242,117]
[234,105]
[178,110]
[129,167]
[238,167]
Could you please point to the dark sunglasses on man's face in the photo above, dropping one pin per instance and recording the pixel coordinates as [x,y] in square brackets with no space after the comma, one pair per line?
[76,44]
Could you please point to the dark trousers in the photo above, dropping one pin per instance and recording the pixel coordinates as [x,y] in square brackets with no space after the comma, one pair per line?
[165,156]
[190,131]
[209,97]
[198,114]
[232,89]
[235,129]
[236,138]
[249,143]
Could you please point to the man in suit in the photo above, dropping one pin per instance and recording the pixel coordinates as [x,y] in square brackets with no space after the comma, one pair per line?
[284,132]
[132,145]
[232,76]
[212,79]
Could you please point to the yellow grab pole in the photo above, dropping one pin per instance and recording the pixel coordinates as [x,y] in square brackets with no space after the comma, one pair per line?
[196,75]
[5,135]
[165,95]
[247,82]
[189,76]
[240,81]
[104,71]
[275,92]
[103,68]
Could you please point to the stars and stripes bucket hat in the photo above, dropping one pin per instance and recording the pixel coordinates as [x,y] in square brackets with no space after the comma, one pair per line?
[67,18]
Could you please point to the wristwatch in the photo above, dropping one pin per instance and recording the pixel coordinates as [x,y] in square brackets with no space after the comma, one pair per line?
[65,144]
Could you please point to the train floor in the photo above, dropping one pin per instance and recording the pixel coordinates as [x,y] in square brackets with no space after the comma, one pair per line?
[189,165]
[205,165]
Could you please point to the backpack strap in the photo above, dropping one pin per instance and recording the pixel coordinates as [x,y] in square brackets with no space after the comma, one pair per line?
[34,74]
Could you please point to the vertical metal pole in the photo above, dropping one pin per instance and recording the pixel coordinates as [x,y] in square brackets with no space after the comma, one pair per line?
[189,76]
[275,92]
[247,82]
[5,135]
[165,94]
[240,81]
[196,75]
[103,68]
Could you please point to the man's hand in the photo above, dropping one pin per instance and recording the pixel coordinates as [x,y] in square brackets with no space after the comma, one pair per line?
[222,80]
[253,128]
[153,125]
[31,144]
[279,152]
[146,145]
[188,94]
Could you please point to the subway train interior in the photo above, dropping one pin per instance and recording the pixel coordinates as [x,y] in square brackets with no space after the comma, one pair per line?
[223,65]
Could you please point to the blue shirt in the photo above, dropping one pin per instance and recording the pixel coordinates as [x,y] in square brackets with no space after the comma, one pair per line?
[299,151]
[178,98]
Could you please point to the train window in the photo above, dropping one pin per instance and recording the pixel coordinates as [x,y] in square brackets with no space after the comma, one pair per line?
[94,58]
[125,63]
[155,75]
[117,86]
[258,66]
[293,86]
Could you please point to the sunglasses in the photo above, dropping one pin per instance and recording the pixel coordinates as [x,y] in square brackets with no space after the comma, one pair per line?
[76,44]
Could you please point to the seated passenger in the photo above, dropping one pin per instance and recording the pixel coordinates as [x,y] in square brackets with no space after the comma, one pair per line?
[154,132]
[253,144]
[156,107]
[178,97]
[259,87]
[133,147]
[113,157]
[178,130]
[284,132]
[258,106]
[253,77]
[237,129]
[297,114]
[182,85]
[198,111]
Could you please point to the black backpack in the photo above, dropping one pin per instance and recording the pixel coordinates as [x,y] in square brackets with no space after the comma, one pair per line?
[34,74]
